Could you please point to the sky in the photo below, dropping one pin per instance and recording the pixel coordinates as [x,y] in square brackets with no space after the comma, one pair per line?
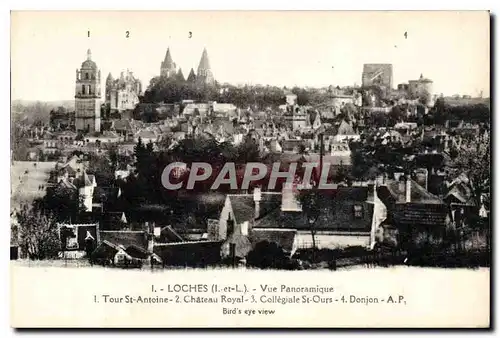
[287,48]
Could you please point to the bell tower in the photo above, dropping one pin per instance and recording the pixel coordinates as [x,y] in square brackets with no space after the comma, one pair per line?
[88,97]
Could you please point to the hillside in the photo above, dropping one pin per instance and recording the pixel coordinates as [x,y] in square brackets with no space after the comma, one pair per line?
[33,111]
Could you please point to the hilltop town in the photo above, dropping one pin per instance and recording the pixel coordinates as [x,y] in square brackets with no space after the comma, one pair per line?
[411,171]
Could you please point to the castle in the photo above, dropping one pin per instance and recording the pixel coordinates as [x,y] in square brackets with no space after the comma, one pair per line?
[203,76]
[123,93]
[88,96]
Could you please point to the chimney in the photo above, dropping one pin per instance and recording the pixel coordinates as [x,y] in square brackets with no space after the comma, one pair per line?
[244,229]
[408,189]
[257,197]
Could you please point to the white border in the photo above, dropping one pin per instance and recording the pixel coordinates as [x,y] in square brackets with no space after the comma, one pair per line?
[189,5]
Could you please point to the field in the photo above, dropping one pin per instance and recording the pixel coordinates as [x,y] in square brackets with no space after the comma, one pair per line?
[27,179]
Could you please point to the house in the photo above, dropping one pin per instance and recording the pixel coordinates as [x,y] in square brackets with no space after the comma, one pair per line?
[238,215]
[405,128]
[413,209]
[146,136]
[342,132]
[350,216]
[125,248]
[296,118]
[126,238]
[391,136]
[77,240]
[462,204]
[338,101]
[130,256]
[334,162]
[226,109]
[86,185]
[340,150]
[294,146]
[196,109]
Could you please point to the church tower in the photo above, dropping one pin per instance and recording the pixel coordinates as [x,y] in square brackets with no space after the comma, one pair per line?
[88,96]
[168,67]
[205,76]
[191,77]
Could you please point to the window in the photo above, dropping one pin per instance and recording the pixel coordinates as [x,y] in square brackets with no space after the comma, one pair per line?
[71,243]
[358,211]
[86,76]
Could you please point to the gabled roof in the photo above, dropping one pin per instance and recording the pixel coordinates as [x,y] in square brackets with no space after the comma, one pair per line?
[65,183]
[418,194]
[125,238]
[243,205]
[421,214]
[85,180]
[171,235]
[460,193]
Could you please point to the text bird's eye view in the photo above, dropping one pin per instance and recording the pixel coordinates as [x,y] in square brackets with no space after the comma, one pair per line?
[301,142]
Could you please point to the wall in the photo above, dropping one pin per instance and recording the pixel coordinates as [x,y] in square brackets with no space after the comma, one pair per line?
[331,240]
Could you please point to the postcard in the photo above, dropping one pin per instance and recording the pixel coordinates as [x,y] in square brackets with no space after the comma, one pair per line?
[250,169]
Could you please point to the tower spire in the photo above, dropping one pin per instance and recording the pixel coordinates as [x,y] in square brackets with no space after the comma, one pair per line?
[89,54]
[204,74]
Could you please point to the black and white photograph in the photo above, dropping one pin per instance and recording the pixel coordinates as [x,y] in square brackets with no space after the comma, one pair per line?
[250,169]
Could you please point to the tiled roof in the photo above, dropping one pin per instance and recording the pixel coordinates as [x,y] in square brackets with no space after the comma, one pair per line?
[171,235]
[461,193]
[420,214]
[243,206]
[331,159]
[125,238]
[285,238]
[146,134]
[335,202]
[418,194]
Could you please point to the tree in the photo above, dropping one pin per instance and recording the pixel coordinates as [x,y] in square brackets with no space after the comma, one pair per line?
[267,255]
[61,202]
[475,163]
[310,200]
[38,234]
[102,168]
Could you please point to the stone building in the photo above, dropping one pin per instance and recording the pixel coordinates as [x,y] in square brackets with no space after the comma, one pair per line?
[204,75]
[191,77]
[377,74]
[168,67]
[420,88]
[88,96]
[123,93]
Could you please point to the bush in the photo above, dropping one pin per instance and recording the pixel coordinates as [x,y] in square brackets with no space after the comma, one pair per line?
[268,255]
